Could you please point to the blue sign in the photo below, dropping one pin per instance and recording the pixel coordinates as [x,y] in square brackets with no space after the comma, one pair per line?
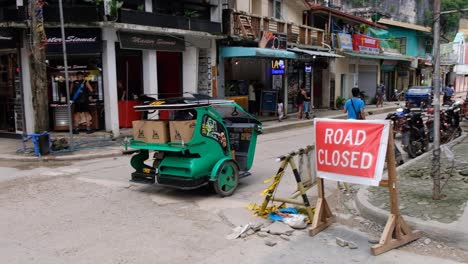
[277,67]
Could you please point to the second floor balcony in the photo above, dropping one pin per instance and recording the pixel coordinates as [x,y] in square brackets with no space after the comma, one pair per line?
[167,21]
[249,26]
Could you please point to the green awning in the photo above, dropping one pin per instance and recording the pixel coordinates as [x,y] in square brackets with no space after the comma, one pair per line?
[236,52]
[378,56]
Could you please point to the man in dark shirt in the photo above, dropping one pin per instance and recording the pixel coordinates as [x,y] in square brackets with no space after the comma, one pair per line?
[81,90]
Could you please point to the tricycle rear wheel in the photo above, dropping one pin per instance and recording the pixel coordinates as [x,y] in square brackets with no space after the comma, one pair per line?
[227,179]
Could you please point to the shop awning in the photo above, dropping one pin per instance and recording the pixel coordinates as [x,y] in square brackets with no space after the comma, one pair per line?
[315,53]
[233,52]
[376,56]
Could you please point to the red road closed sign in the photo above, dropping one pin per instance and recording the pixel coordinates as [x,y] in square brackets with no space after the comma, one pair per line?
[351,150]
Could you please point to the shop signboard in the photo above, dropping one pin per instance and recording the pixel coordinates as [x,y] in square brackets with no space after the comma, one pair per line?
[344,41]
[272,40]
[268,103]
[151,42]
[277,67]
[77,40]
[308,68]
[366,44]
[351,150]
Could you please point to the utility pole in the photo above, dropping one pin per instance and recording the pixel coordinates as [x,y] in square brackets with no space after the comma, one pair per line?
[67,79]
[435,171]
[38,67]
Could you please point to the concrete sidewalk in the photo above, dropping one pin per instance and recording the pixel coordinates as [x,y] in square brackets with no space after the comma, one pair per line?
[446,218]
[101,144]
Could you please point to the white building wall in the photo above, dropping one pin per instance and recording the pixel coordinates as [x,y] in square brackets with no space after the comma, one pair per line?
[190,70]
[111,110]
[150,72]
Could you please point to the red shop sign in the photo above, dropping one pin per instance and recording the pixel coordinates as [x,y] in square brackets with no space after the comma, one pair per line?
[367,44]
[351,150]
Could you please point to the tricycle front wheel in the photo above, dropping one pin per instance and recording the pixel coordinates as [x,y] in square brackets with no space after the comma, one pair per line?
[227,179]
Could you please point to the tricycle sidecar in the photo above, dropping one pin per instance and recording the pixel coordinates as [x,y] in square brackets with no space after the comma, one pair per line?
[210,142]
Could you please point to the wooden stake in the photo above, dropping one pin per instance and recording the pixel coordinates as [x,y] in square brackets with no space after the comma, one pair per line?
[323,216]
[396,233]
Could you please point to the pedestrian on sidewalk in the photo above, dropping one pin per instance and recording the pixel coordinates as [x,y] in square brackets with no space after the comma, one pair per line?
[307,105]
[380,93]
[280,110]
[81,91]
[301,97]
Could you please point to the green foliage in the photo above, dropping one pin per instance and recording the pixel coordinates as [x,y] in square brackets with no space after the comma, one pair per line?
[393,43]
[191,13]
[359,3]
[428,20]
[449,22]
[363,29]
[340,101]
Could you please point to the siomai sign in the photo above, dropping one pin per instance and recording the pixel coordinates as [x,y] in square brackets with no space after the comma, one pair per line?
[351,150]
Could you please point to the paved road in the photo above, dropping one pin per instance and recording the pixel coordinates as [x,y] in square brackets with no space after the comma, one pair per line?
[88,212]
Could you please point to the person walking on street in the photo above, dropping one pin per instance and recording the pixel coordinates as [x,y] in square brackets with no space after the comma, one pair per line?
[81,92]
[307,107]
[252,99]
[355,106]
[300,98]
[380,94]
[448,93]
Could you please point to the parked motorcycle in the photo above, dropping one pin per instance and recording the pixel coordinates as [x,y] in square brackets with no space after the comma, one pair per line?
[449,124]
[414,138]
[397,119]
[398,95]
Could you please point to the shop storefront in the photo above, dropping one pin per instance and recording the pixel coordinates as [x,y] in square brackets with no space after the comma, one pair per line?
[84,48]
[257,75]
[11,106]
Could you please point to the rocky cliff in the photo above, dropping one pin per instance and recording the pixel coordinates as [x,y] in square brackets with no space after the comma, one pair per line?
[409,11]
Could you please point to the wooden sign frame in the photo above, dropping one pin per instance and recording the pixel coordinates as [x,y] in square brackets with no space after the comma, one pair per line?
[396,232]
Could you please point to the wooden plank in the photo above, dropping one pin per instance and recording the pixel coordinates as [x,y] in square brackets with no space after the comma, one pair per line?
[388,230]
[394,243]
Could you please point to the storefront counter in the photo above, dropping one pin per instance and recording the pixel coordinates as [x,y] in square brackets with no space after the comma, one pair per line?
[127,114]
[60,116]
[241,100]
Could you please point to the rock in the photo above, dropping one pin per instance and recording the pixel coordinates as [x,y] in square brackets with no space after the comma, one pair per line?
[262,234]
[427,241]
[279,228]
[285,237]
[341,242]
[250,232]
[352,245]
[270,242]
[373,240]
[465,180]
[243,235]
[439,246]
[265,229]
[464,172]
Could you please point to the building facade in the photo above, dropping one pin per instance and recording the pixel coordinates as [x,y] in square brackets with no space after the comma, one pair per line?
[160,48]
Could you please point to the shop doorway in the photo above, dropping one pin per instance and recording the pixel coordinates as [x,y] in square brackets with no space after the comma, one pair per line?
[129,74]
[10,94]
[169,74]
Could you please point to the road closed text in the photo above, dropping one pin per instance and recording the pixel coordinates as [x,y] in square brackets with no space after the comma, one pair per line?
[345,158]
[350,150]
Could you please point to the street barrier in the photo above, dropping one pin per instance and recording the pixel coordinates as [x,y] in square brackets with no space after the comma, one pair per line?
[303,184]
[355,151]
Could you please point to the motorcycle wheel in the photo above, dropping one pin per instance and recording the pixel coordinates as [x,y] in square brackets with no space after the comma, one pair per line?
[412,150]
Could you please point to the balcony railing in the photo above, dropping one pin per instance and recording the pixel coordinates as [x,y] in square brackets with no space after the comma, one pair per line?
[167,21]
[74,14]
[250,26]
